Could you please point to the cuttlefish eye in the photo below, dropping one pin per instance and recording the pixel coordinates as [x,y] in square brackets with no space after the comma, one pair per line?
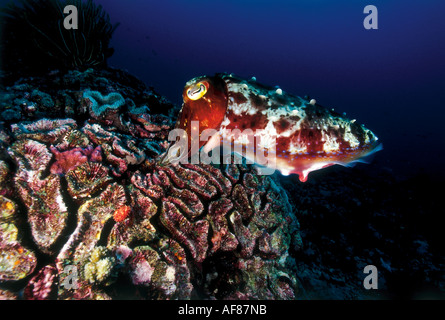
[197,91]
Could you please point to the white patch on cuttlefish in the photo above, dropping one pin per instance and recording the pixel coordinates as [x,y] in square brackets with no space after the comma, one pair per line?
[243,139]
[268,136]
[297,148]
[351,138]
[247,108]
[331,144]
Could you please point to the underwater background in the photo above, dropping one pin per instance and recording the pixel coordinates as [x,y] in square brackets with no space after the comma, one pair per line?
[136,230]
[392,79]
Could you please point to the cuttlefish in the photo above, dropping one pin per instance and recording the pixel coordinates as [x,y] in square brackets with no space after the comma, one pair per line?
[299,134]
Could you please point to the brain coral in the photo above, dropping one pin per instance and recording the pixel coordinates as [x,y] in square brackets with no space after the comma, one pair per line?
[104,107]
[97,212]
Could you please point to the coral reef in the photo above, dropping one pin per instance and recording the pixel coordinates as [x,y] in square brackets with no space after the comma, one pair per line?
[43,285]
[121,214]
[87,211]
[5,183]
[69,94]
[102,213]
[44,130]
[165,229]
[119,149]
[100,265]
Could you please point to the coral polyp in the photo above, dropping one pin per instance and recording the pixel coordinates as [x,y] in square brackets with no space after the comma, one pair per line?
[121,214]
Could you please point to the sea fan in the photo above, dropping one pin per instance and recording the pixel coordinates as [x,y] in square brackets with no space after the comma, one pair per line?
[34,36]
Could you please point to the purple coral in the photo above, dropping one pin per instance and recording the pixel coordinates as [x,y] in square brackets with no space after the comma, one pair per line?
[47,212]
[43,285]
[70,159]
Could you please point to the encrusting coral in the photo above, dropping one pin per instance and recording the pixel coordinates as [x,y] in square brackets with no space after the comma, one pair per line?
[16,261]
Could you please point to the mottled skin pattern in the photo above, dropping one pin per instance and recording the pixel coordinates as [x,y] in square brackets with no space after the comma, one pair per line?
[304,135]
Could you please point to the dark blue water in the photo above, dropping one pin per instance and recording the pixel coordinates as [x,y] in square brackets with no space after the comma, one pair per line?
[391,79]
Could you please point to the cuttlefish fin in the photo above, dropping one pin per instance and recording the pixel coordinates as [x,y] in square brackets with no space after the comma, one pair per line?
[367,158]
